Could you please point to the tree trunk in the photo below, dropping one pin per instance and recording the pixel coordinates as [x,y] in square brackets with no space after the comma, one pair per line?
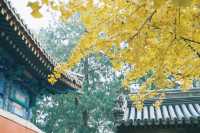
[85,118]
[86,65]
[85,112]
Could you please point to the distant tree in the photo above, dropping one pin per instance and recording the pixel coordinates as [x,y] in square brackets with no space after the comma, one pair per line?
[89,112]
[60,38]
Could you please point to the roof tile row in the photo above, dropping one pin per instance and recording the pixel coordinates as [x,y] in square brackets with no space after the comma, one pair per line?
[166,114]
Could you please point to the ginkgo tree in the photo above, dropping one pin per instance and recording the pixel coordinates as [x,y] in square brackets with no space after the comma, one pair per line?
[161,36]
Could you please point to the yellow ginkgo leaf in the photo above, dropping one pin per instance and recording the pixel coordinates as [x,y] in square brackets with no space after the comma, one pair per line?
[65,15]
[125,83]
[36,14]
[65,12]
[116,65]
[196,1]
[159,3]
[186,85]
[139,105]
[182,3]
[133,97]
[46,2]
[157,104]
[34,5]
[54,6]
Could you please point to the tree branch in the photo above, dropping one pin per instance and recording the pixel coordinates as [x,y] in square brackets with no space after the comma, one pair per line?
[189,40]
[194,50]
[190,46]
[142,26]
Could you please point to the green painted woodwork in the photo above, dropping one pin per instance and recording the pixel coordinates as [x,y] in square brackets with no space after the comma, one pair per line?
[19,96]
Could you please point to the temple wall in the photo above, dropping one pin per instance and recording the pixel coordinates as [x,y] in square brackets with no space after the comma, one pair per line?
[10,123]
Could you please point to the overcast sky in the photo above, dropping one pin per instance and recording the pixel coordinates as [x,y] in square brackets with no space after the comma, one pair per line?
[25,13]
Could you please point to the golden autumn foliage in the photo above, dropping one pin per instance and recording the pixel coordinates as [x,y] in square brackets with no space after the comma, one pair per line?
[35,9]
[158,35]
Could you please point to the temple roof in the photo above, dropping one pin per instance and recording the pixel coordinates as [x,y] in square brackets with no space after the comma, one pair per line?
[22,44]
[178,109]
[164,115]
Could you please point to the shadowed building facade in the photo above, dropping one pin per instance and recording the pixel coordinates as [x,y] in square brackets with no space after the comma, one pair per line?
[24,68]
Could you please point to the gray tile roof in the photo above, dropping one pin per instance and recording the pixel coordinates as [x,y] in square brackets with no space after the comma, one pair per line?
[178,109]
[166,114]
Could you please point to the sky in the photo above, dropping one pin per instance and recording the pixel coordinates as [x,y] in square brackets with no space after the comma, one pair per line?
[25,13]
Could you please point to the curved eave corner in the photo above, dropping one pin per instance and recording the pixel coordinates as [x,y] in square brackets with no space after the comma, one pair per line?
[71,82]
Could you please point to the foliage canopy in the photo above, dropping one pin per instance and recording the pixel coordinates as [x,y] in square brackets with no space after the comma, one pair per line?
[162,36]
